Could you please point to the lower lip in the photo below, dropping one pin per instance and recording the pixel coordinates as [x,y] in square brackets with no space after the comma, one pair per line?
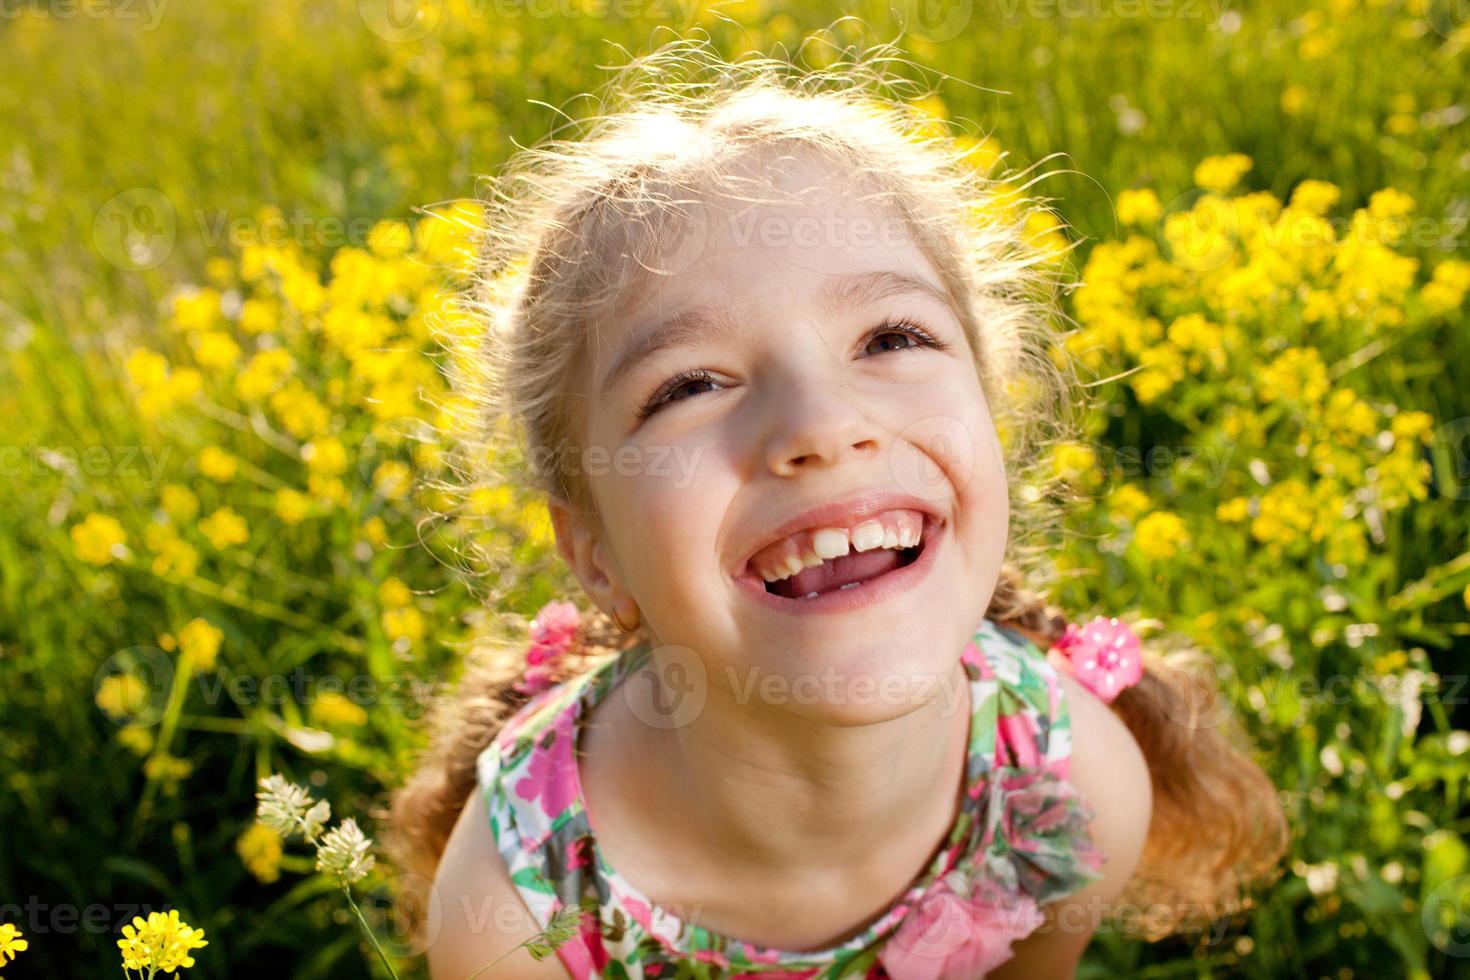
[875,590]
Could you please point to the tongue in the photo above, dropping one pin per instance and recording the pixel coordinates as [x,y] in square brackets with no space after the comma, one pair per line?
[857,566]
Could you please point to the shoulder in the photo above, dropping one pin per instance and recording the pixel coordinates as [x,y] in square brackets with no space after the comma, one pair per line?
[480,915]
[1109,769]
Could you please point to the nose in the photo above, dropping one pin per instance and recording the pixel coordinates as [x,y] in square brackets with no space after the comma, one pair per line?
[818,426]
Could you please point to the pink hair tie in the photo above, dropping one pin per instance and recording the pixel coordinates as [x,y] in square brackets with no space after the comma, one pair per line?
[1103,655]
[554,632]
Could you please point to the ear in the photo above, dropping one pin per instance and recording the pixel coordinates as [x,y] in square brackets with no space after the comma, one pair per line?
[579,542]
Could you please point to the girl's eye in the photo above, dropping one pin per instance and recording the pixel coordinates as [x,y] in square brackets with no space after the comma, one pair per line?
[911,334]
[676,388]
[891,335]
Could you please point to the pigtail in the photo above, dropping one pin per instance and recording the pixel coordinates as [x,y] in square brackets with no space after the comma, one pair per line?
[463,723]
[1218,830]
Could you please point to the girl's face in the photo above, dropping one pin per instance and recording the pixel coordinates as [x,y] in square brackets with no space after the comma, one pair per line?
[799,377]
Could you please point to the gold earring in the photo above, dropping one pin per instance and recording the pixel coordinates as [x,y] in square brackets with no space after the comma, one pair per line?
[617,616]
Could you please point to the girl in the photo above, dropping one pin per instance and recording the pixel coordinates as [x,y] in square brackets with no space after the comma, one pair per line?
[778,359]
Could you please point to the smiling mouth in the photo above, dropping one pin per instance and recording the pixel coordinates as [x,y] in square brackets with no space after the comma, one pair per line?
[846,572]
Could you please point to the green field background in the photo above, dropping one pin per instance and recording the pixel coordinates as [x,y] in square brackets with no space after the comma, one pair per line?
[221,294]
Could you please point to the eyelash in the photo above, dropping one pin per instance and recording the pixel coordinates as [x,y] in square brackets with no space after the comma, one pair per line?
[901,325]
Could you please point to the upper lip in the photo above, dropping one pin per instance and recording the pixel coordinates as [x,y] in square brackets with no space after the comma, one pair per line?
[842,513]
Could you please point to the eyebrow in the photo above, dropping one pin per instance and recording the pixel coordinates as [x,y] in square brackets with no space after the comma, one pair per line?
[689,327]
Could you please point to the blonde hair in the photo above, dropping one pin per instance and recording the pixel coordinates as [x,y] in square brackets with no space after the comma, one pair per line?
[576,225]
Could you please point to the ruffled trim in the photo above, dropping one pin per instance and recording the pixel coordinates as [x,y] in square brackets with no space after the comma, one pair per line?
[1035,846]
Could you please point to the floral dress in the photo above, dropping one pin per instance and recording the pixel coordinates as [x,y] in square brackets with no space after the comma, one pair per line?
[1021,839]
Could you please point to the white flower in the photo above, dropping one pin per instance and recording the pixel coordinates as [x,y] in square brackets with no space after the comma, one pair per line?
[344,852]
[288,809]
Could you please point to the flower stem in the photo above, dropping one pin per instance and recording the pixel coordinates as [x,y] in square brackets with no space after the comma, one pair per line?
[369,932]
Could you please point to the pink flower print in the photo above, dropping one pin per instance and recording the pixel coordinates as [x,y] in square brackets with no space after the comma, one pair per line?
[1016,737]
[1104,655]
[584,957]
[974,656]
[949,936]
[552,769]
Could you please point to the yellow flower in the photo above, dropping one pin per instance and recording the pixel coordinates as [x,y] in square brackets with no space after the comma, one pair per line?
[389,239]
[404,623]
[197,310]
[1465,597]
[1293,99]
[224,528]
[1297,374]
[292,506]
[393,479]
[1409,426]
[1315,196]
[536,519]
[162,942]
[260,851]
[219,270]
[217,464]
[1128,501]
[334,710]
[172,554]
[98,539]
[1389,203]
[165,768]
[1161,535]
[1139,207]
[325,457]
[1233,510]
[139,741]
[147,369]
[10,941]
[375,531]
[256,316]
[121,695]
[1074,462]
[393,593]
[263,374]
[215,350]
[1285,514]
[179,502]
[1220,173]
[200,642]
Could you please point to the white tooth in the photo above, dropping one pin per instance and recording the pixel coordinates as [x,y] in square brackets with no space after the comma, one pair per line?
[810,595]
[811,560]
[890,538]
[773,576]
[793,565]
[830,542]
[849,585]
[867,536]
[908,538]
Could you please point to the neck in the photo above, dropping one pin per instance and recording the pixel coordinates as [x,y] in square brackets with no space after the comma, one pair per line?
[784,794]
